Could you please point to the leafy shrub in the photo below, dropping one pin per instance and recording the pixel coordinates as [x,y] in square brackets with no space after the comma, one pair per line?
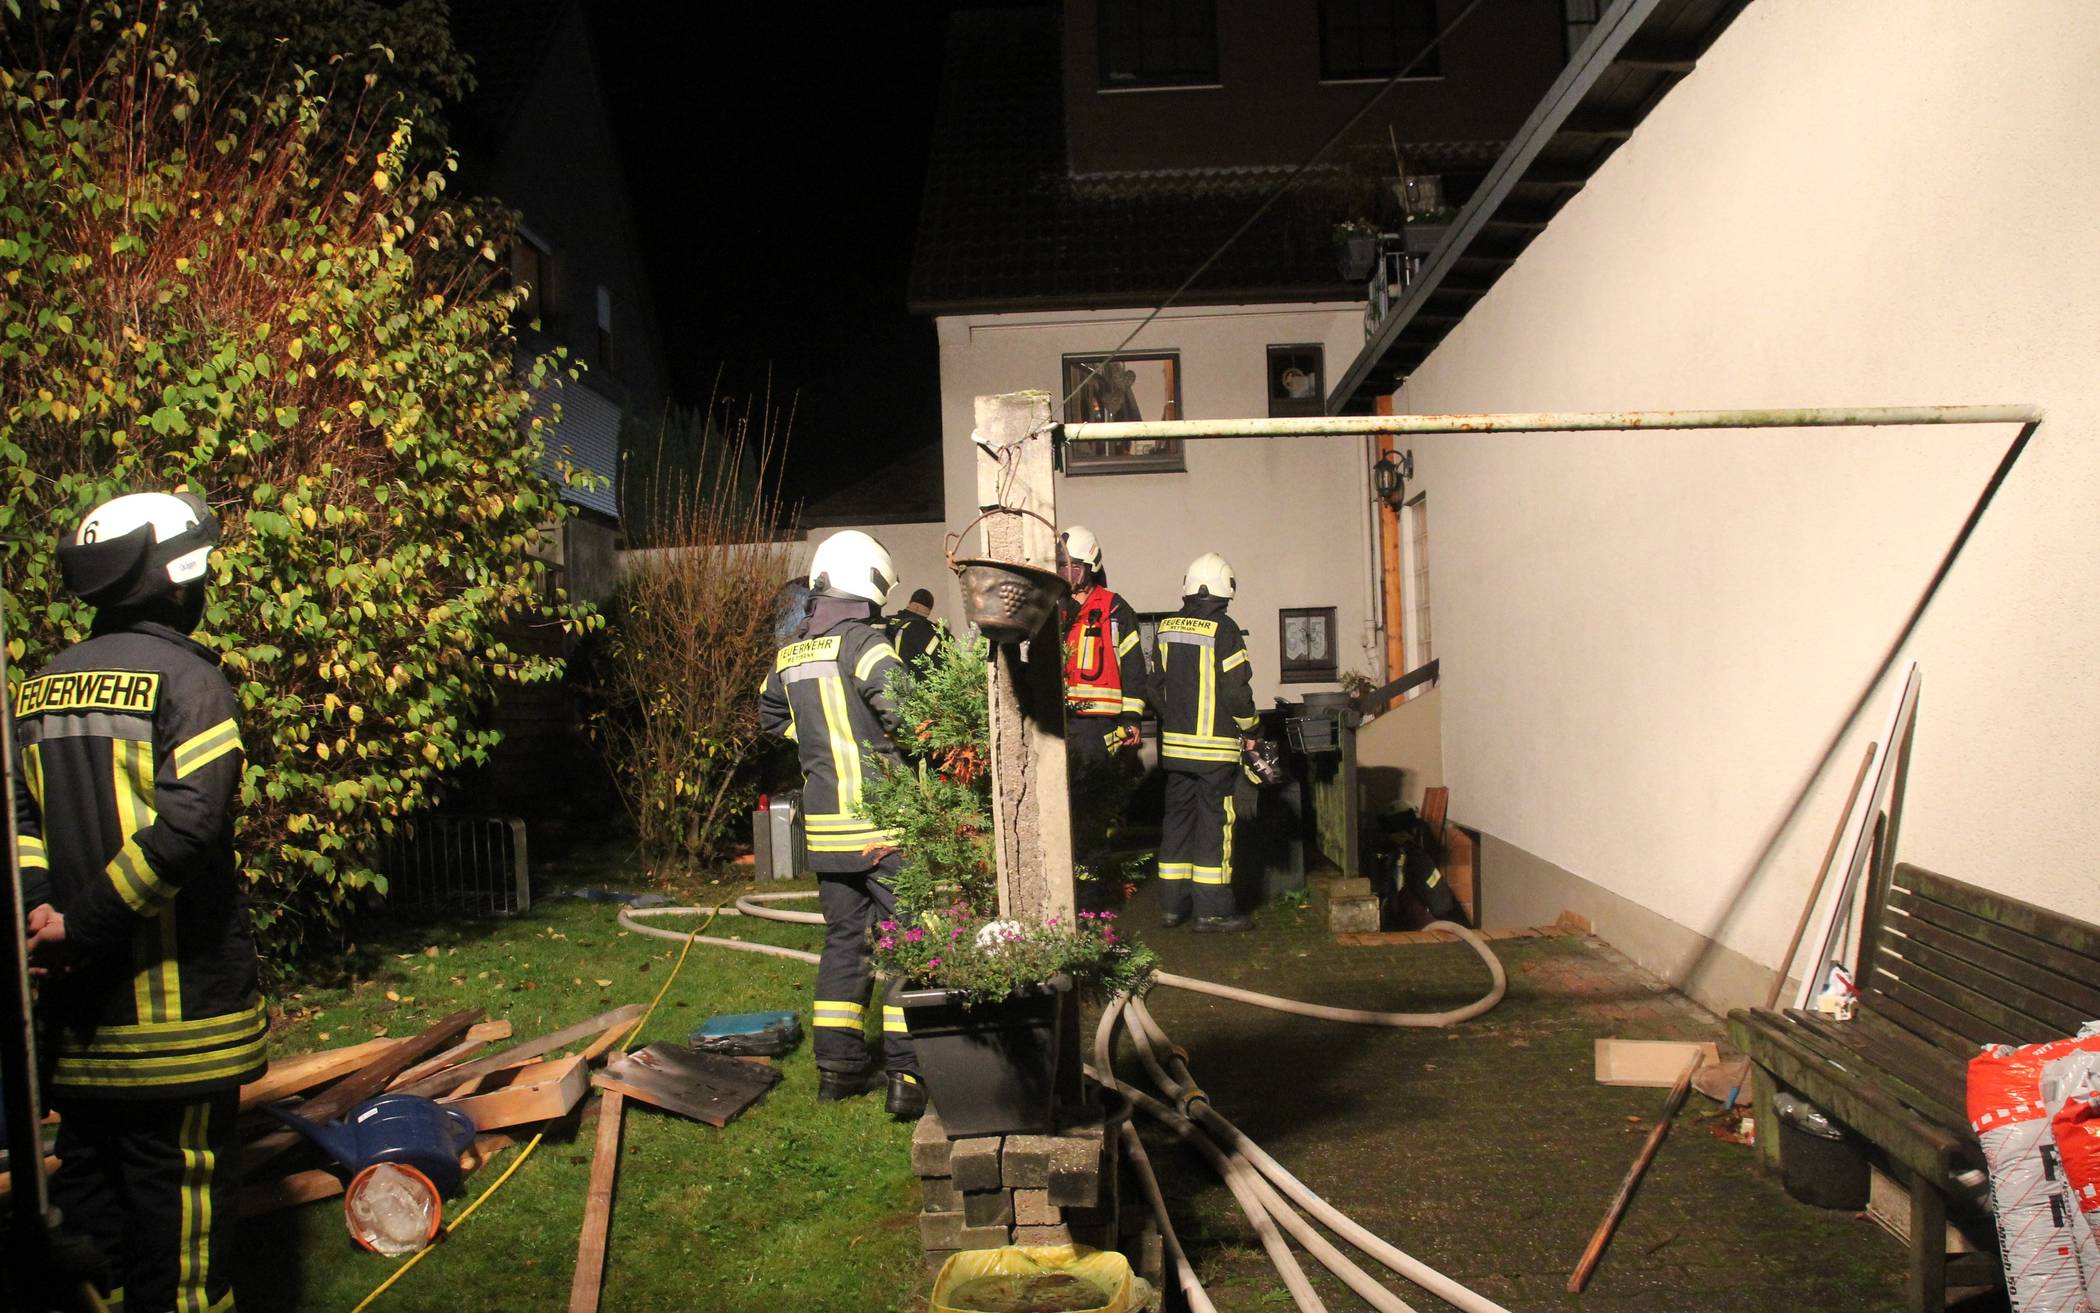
[690,637]
[939,800]
[988,959]
[192,295]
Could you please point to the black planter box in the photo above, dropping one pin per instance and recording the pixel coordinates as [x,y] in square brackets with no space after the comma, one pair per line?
[990,1068]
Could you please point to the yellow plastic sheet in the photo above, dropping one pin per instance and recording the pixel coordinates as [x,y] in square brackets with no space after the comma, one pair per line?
[1106,1271]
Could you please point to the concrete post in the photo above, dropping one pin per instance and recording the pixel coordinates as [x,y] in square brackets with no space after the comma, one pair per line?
[1031,822]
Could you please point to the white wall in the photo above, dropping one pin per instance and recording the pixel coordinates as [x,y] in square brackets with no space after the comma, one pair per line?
[1646,638]
[1291,515]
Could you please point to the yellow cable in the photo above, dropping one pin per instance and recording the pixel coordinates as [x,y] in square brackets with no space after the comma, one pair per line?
[534,1143]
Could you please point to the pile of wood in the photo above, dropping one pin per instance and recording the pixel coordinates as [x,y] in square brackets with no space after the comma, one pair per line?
[462,1061]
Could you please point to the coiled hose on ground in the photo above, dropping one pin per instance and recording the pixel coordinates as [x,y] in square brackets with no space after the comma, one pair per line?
[1267,1193]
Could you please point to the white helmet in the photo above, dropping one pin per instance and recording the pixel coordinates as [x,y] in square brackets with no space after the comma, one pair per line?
[1210,574]
[138,546]
[851,564]
[1080,545]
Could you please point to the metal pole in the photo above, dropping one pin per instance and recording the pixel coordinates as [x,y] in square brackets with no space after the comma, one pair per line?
[1553,421]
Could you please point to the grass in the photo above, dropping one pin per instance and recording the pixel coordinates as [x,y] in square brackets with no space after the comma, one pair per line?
[795,1205]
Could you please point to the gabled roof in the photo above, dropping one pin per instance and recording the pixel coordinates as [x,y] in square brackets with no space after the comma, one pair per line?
[506,42]
[1635,54]
[1005,226]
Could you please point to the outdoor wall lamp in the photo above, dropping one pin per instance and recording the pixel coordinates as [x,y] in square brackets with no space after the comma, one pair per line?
[1390,476]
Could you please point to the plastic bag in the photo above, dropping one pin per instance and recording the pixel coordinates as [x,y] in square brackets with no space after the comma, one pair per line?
[2038,1229]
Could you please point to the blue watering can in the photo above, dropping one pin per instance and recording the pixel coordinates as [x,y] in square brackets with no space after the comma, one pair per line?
[394,1128]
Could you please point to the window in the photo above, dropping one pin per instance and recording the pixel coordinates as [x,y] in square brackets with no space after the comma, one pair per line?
[1421,641]
[1306,641]
[1297,380]
[605,336]
[532,268]
[1158,43]
[1378,38]
[1118,388]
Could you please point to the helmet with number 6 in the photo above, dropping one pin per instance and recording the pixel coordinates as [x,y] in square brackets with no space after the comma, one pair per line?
[1208,574]
[851,564]
[138,547]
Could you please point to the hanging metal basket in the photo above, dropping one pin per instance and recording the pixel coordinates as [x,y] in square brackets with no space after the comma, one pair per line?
[1007,601]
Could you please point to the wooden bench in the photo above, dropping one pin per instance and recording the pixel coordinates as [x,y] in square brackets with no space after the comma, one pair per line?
[1946,968]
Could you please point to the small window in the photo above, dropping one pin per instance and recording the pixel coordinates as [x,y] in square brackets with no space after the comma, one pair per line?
[605,329]
[1307,645]
[1158,43]
[532,268]
[1377,38]
[1297,380]
[1117,389]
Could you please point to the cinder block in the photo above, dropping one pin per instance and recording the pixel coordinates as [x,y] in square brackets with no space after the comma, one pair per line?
[929,1147]
[1033,1208]
[1347,887]
[1043,1235]
[974,1163]
[940,1231]
[989,1208]
[1352,915]
[1075,1174]
[985,1237]
[937,1194]
[1026,1164]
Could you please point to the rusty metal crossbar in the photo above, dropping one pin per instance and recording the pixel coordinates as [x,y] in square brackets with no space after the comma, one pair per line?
[1551,421]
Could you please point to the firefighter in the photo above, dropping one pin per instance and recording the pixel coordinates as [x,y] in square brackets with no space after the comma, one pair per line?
[913,631]
[1105,678]
[1206,710]
[130,748]
[829,693]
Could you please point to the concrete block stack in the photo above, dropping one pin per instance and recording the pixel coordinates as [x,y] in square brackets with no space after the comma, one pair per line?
[984,1192]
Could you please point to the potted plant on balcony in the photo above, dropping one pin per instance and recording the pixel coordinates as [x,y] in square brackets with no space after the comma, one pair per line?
[1356,241]
[982,995]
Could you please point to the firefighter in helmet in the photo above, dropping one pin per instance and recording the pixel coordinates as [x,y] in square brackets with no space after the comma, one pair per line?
[1105,684]
[829,693]
[1207,719]
[130,750]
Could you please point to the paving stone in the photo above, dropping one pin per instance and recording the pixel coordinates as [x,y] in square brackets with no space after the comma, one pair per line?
[937,1194]
[940,1231]
[985,1237]
[988,1208]
[1075,1174]
[975,1163]
[1033,1208]
[1043,1235]
[1353,914]
[929,1147]
[1025,1164]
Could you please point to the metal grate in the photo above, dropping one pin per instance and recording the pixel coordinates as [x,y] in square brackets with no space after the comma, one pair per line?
[458,865]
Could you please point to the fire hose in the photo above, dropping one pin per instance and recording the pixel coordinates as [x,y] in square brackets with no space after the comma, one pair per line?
[1265,1190]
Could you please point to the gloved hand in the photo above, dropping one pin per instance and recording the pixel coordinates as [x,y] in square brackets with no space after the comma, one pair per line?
[1261,762]
[1123,736]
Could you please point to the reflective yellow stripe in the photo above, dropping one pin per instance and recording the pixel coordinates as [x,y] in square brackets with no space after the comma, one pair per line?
[870,658]
[171,1037]
[33,767]
[29,853]
[1233,662]
[839,1014]
[1175,870]
[1246,722]
[838,729]
[1207,690]
[1232,817]
[892,1020]
[1210,875]
[119,1073]
[207,747]
[1134,706]
[1130,640]
[194,1260]
[142,890]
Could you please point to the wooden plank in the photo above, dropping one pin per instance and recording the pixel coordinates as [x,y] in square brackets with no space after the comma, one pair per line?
[532,1048]
[451,1057]
[1875,1000]
[1595,1250]
[362,1084]
[288,1076]
[260,1197]
[704,1086]
[602,1045]
[542,1099]
[1652,1063]
[1927,1093]
[2058,1004]
[585,1286]
[2051,927]
[2076,993]
[1961,986]
[1906,907]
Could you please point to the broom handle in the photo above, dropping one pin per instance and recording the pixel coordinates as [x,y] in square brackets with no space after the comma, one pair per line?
[1618,1205]
[1815,896]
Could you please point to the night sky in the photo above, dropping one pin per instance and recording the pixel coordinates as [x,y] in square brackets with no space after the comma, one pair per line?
[775,155]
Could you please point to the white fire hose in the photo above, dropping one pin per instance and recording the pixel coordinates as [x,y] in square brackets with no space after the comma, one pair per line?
[1264,1189]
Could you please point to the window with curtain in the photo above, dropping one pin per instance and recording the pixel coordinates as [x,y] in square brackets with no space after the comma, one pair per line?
[1158,43]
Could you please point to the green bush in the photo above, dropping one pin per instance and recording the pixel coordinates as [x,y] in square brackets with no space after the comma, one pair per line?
[939,800]
[192,294]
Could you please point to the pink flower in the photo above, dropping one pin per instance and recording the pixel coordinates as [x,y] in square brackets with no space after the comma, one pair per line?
[1086,916]
[885,942]
[1109,935]
[914,935]
[932,963]
[1051,921]
[954,933]
[885,925]
[1108,916]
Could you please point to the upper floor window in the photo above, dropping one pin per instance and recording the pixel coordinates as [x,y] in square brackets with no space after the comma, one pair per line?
[1153,43]
[1297,380]
[1118,389]
[605,329]
[1377,38]
[532,268]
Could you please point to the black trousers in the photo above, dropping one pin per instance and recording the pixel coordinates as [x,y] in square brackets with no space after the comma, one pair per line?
[852,903]
[1098,784]
[151,1183]
[1195,844]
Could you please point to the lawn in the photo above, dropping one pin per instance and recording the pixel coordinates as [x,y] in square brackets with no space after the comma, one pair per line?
[795,1205]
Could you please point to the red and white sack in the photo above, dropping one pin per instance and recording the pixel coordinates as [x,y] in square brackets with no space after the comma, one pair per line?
[2038,1229]
[2075,1123]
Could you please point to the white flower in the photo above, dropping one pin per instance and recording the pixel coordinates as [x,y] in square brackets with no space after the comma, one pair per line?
[996,934]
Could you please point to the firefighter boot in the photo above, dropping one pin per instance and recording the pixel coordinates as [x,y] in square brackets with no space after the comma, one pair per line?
[833,1086]
[907,1097]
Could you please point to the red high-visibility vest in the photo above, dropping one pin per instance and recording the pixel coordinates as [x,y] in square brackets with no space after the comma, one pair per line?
[1093,674]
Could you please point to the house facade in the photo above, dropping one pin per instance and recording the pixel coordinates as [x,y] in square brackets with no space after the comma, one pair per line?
[1088,160]
[1647,638]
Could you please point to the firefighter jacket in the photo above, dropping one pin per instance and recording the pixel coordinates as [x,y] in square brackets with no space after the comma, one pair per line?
[913,635]
[829,693]
[1204,689]
[1104,658]
[130,755]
